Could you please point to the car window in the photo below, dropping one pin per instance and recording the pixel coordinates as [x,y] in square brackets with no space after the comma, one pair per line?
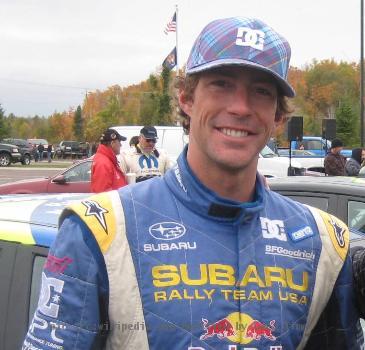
[80,172]
[317,202]
[356,216]
[313,144]
[35,286]
[173,141]
[267,152]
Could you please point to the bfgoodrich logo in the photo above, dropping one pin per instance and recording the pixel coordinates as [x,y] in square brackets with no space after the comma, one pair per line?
[167,231]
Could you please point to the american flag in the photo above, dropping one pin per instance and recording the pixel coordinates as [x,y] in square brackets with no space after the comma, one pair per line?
[171,26]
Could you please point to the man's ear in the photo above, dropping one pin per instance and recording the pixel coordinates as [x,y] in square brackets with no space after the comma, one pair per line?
[185,103]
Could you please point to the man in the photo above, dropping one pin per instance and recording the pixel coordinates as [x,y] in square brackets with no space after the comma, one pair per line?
[206,257]
[105,171]
[353,164]
[144,159]
[334,162]
[49,153]
[40,151]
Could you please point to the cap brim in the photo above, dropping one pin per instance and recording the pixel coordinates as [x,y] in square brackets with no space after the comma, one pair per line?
[123,138]
[286,88]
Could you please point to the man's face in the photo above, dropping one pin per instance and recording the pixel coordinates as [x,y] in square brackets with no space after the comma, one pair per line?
[147,145]
[115,145]
[337,150]
[232,115]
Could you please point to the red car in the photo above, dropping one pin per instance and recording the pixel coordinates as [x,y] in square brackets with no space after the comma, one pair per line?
[75,179]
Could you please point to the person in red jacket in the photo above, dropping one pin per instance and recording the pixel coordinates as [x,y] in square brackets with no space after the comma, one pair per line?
[106,174]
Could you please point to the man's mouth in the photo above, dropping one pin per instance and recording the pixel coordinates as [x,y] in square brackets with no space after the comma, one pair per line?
[233,132]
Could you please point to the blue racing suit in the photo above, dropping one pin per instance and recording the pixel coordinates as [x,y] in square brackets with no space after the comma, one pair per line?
[168,264]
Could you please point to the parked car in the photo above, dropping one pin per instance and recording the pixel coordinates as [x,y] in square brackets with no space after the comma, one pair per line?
[24,147]
[75,179]
[69,149]
[313,153]
[342,196]
[28,226]
[9,154]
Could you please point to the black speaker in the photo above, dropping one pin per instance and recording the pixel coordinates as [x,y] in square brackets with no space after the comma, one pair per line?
[329,129]
[295,129]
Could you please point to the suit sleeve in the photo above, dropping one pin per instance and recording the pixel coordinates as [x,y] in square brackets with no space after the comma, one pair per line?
[338,327]
[73,303]
[358,263]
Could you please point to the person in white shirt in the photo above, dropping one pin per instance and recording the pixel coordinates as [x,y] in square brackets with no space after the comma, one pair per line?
[144,160]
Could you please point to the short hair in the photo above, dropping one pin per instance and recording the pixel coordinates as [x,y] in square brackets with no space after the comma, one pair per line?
[134,141]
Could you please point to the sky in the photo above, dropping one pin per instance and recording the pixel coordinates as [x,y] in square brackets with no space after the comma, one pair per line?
[53,52]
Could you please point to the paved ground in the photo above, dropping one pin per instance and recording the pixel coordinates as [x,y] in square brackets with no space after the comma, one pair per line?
[15,173]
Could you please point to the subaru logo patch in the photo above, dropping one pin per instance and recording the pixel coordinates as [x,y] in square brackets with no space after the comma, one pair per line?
[167,231]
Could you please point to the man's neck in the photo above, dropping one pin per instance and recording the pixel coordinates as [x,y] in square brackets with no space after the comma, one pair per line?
[235,185]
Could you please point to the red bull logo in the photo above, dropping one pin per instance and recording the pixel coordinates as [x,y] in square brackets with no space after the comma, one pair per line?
[238,328]
[57,265]
[257,329]
[222,329]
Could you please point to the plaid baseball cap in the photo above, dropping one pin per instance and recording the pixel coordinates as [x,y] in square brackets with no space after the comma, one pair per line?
[242,41]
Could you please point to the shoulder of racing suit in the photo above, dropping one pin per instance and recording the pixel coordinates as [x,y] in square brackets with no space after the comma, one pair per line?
[88,267]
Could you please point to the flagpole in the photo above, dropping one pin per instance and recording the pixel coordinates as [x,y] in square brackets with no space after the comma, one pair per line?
[177,51]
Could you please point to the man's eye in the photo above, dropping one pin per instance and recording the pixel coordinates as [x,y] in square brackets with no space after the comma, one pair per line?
[220,83]
[264,91]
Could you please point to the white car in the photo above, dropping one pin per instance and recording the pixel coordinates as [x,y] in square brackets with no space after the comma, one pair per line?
[271,165]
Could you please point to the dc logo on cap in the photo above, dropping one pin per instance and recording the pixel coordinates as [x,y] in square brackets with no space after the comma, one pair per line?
[250,37]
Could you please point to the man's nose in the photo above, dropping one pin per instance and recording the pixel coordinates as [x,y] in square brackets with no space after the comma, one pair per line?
[239,103]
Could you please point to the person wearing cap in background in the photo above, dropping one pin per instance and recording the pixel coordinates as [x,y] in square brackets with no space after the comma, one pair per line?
[106,174]
[334,162]
[353,165]
[206,257]
[144,161]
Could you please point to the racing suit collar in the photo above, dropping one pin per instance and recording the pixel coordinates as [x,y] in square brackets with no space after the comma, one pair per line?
[186,186]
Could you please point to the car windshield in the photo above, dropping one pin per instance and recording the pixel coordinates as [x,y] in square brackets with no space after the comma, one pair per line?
[38,141]
[267,152]
[80,172]
[70,143]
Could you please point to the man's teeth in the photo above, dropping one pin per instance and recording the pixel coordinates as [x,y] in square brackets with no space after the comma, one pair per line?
[234,133]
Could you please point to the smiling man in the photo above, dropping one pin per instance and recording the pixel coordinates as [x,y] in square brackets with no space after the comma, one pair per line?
[144,160]
[206,257]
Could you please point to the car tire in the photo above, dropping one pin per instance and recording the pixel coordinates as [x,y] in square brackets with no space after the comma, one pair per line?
[26,159]
[5,159]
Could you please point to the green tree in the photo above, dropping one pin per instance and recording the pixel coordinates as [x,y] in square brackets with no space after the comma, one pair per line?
[78,124]
[4,128]
[321,89]
[164,108]
[111,115]
[347,125]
